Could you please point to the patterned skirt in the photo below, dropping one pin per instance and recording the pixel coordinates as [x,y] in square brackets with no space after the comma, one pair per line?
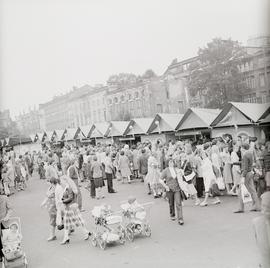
[72,217]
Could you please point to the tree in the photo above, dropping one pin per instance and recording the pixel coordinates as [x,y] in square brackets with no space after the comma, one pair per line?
[149,74]
[216,75]
[121,80]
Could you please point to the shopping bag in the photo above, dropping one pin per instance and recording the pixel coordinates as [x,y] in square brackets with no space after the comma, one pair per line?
[183,185]
[245,195]
[220,183]
[190,176]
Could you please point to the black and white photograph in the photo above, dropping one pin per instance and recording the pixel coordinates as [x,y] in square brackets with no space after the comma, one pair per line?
[135,133]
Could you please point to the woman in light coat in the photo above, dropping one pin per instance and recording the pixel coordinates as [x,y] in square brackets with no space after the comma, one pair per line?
[123,165]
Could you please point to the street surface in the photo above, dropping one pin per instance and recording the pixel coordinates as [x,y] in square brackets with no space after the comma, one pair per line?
[212,236]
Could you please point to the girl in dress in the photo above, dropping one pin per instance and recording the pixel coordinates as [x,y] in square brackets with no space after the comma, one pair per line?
[236,171]
[209,178]
[153,176]
[227,168]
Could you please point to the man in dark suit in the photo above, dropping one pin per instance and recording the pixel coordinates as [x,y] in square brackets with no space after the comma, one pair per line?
[247,179]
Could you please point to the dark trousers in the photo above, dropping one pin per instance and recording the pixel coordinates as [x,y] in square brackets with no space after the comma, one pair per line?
[92,188]
[175,201]
[1,245]
[199,186]
[109,178]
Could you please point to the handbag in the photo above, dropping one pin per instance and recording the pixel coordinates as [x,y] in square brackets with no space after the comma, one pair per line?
[245,195]
[220,183]
[190,176]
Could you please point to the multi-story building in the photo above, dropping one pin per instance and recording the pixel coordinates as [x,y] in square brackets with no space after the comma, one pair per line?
[29,122]
[5,119]
[256,70]
[142,98]
[55,112]
[176,81]
[86,105]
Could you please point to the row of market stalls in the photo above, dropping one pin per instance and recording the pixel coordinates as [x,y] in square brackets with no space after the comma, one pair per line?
[237,119]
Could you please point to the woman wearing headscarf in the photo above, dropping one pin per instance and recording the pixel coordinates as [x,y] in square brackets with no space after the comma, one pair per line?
[72,217]
[170,182]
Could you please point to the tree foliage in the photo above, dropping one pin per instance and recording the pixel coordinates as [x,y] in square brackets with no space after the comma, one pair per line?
[216,73]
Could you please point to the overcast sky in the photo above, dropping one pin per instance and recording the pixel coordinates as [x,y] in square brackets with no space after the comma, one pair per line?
[49,46]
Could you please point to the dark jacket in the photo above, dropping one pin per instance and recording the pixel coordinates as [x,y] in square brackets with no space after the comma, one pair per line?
[143,164]
[171,182]
[247,163]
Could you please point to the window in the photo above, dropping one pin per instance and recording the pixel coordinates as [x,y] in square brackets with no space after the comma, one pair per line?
[122,98]
[129,96]
[115,100]
[159,108]
[180,106]
[136,95]
[262,80]
[110,101]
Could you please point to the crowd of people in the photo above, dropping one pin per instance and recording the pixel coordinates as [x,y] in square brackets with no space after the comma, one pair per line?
[174,171]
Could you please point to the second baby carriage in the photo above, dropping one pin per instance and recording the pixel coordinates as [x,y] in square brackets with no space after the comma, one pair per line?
[136,222]
[109,227]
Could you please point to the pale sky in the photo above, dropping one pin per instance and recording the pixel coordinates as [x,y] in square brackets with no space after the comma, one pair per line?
[49,46]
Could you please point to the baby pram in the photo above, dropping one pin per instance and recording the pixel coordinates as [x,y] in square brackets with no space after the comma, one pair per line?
[136,222]
[109,227]
[14,257]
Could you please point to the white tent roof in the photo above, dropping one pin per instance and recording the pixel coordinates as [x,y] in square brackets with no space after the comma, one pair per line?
[166,122]
[138,126]
[99,130]
[86,130]
[254,111]
[196,118]
[117,128]
[70,134]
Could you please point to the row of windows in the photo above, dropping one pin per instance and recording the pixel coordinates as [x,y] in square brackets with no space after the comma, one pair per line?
[124,98]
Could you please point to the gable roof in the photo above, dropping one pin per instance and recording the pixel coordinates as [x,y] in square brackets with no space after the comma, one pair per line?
[99,130]
[265,120]
[164,123]
[138,126]
[200,117]
[70,133]
[86,130]
[40,136]
[252,111]
[33,137]
[116,128]
[48,135]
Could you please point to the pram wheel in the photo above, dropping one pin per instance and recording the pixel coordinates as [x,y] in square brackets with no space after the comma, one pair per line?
[129,234]
[102,244]
[94,241]
[122,239]
[147,230]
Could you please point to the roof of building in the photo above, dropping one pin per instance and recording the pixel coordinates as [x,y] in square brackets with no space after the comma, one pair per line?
[99,130]
[117,128]
[205,117]
[252,111]
[265,120]
[70,133]
[138,126]
[164,122]
[86,130]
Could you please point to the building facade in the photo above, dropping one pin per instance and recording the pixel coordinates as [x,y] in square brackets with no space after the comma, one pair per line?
[86,105]
[55,113]
[142,98]
[176,81]
[29,122]
[256,70]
